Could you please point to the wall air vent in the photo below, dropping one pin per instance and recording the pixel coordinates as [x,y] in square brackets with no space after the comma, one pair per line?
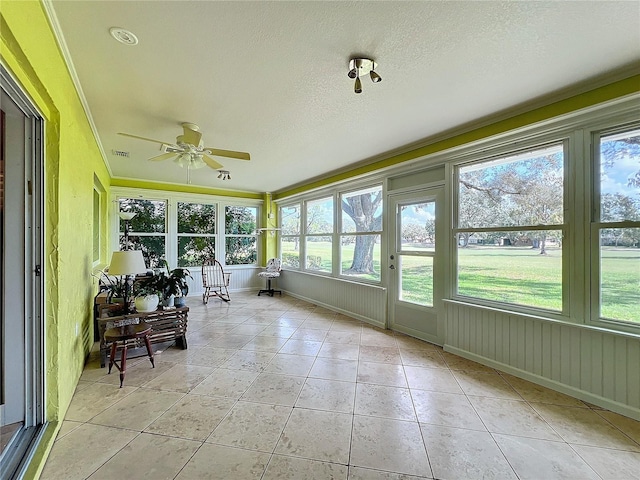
[120,153]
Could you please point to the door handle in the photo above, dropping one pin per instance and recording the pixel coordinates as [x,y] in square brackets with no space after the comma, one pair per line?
[392,267]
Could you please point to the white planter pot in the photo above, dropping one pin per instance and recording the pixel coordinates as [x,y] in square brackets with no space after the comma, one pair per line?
[148,303]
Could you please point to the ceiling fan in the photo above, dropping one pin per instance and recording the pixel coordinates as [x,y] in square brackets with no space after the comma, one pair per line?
[189,151]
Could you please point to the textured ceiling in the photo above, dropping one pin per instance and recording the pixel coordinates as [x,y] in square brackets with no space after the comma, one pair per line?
[270,78]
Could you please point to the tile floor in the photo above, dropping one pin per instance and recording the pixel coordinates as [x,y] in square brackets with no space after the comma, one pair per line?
[276,388]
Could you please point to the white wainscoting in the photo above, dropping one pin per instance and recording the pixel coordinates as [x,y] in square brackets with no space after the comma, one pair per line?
[359,300]
[597,366]
[242,278]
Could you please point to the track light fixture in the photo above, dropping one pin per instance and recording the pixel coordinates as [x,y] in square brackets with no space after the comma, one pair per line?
[224,174]
[359,67]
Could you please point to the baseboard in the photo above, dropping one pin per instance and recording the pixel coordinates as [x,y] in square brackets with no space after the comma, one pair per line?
[333,308]
[592,398]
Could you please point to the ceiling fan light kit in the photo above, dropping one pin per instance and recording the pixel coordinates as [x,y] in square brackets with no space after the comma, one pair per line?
[189,152]
[362,66]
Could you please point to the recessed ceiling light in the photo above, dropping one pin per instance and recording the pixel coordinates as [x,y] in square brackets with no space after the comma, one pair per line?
[123,36]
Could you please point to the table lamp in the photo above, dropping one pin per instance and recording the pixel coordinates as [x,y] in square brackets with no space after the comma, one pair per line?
[128,262]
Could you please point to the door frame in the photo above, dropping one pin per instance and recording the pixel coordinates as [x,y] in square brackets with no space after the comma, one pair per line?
[17,454]
[427,192]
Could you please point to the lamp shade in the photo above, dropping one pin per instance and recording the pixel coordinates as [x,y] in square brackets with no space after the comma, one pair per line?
[128,262]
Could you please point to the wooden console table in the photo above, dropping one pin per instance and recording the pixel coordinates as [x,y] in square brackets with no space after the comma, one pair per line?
[166,325]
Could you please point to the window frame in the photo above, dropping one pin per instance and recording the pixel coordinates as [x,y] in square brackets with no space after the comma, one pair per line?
[306,235]
[171,227]
[201,235]
[299,205]
[565,228]
[132,233]
[593,138]
[237,235]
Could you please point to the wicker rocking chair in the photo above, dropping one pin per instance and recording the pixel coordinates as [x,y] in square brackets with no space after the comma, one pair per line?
[215,281]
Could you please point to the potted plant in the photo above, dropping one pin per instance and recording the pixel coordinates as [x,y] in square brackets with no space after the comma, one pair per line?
[173,285]
[113,285]
[146,295]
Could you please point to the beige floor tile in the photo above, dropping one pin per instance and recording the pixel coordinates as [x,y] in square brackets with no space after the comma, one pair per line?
[334,369]
[207,356]
[330,395]
[90,401]
[231,341]
[226,383]
[193,417]
[137,410]
[359,473]
[432,379]
[249,360]
[422,358]
[293,468]
[248,329]
[388,445]
[370,353]
[405,342]
[139,374]
[316,435]
[611,464]
[180,378]
[348,337]
[383,401]
[378,338]
[265,344]
[512,417]
[537,393]
[278,331]
[584,427]
[457,453]
[381,374]
[67,427]
[286,364]
[481,384]
[535,459]
[148,456]
[456,362]
[217,462]
[301,347]
[253,426]
[318,323]
[274,389]
[446,409]
[338,350]
[94,444]
[628,425]
[201,337]
[309,334]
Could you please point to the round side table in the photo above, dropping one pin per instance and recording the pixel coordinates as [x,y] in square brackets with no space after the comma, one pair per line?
[124,334]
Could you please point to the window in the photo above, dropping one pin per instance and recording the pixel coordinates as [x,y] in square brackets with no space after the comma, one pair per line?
[240,235]
[196,233]
[360,235]
[318,235]
[510,228]
[147,229]
[617,226]
[290,236]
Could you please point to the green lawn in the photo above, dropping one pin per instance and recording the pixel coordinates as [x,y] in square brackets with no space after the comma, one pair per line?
[517,275]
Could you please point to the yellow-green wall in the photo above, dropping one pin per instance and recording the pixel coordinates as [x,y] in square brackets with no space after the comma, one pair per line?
[30,52]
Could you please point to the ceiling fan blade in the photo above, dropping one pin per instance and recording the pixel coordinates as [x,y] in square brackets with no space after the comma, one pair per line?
[164,156]
[228,153]
[191,134]
[141,138]
[211,162]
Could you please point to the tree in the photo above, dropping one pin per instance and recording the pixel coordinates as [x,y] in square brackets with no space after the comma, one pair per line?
[364,210]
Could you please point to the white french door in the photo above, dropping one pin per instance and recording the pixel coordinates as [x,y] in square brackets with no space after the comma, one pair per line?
[415,264]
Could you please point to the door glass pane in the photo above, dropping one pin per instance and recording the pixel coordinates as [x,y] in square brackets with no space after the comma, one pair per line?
[620,274]
[194,250]
[416,279]
[417,227]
